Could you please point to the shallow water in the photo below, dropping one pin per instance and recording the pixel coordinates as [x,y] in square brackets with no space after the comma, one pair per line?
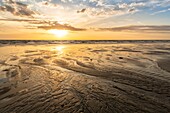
[106,78]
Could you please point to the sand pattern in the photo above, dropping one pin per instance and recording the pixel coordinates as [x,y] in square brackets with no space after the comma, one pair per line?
[85,78]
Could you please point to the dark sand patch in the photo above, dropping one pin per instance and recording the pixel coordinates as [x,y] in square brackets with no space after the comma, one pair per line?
[157,52]
[164,64]
[31,51]
[13,58]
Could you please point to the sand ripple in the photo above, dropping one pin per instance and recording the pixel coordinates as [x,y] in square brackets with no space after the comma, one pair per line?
[106,79]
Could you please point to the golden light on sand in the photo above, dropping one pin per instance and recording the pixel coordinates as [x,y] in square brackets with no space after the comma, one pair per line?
[58,33]
[60,48]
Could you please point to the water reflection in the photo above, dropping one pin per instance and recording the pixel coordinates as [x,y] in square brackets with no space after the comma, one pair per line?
[59,49]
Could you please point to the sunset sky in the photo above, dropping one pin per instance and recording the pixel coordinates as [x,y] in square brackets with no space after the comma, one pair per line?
[85,19]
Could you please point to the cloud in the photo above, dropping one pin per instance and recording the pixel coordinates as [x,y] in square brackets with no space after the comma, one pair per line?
[7,8]
[97,7]
[132,10]
[114,9]
[46,25]
[82,11]
[19,20]
[146,28]
[56,25]
[17,8]
[48,4]
[93,7]
[162,11]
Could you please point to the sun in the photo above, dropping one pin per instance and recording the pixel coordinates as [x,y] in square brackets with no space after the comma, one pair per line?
[58,33]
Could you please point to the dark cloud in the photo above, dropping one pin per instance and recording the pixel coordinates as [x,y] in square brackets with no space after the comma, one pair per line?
[13,2]
[145,28]
[56,25]
[45,3]
[46,25]
[132,10]
[17,8]
[81,11]
[49,4]
[7,8]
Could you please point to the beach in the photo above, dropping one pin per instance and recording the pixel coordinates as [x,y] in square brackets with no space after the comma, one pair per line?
[85,78]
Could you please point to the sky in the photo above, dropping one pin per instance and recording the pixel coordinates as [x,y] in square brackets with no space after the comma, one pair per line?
[85,19]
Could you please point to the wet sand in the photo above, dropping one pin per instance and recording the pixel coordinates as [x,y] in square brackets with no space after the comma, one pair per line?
[164,64]
[85,78]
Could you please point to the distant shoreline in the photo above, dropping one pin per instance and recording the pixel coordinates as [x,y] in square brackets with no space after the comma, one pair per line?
[80,41]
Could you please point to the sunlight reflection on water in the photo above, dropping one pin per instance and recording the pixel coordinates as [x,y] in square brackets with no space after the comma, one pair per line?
[59,49]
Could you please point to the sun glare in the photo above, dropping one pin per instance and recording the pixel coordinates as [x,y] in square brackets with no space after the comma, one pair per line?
[58,33]
[59,48]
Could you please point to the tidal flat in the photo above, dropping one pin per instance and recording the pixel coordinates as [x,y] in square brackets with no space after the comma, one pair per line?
[85,78]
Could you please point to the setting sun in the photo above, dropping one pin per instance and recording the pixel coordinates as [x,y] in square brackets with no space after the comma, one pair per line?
[58,33]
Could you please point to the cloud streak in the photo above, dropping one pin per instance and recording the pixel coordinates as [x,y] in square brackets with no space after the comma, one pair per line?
[19,20]
[162,11]
[46,25]
[145,28]
[56,25]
